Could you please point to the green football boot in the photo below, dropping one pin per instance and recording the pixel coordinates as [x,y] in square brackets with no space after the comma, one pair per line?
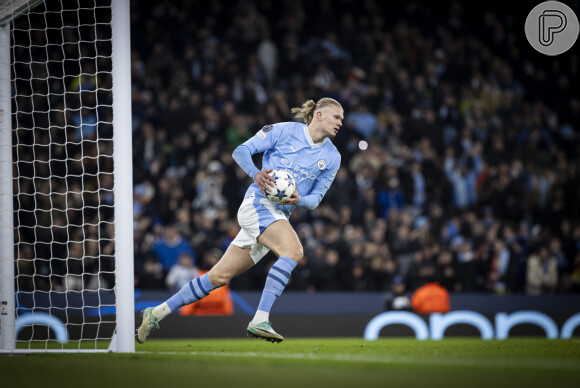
[264,331]
[148,323]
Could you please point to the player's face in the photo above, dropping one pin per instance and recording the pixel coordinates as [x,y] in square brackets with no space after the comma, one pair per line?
[331,119]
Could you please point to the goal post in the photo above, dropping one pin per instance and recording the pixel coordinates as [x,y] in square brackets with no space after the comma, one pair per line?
[66,213]
[7,329]
[122,143]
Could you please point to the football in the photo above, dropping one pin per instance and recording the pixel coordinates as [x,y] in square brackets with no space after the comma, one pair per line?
[283,187]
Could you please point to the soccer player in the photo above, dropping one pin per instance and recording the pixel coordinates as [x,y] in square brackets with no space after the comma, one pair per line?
[306,152]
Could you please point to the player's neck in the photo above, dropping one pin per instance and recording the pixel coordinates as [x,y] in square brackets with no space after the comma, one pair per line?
[315,134]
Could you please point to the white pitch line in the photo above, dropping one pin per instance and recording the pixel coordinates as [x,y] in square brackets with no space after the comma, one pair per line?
[529,363]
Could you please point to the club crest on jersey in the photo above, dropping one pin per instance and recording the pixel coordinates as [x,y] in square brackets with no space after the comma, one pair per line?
[321,164]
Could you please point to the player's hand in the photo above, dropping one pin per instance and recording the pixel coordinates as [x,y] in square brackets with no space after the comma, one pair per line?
[262,179]
[293,199]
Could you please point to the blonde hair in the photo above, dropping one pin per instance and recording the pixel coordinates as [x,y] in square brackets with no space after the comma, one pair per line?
[306,111]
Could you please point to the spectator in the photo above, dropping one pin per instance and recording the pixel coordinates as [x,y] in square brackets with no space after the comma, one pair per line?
[499,262]
[152,276]
[363,121]
[397,298]
[390,195]
[422,270]
[85,122]
[181,272]
[170,247]
[462,174]
[446,274]
[416,193]
[210,200]
[542,273]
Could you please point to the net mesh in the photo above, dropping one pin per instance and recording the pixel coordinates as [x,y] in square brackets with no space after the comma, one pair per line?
[11,8]
[63,174]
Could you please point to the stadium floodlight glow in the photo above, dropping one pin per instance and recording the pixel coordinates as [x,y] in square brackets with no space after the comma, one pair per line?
[66,177]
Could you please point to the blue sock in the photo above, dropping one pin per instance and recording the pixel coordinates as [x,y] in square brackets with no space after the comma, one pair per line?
[193,291]
[276,281]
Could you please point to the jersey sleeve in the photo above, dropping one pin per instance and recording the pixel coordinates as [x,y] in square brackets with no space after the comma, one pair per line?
[321,186]
[265,139]
[243,158]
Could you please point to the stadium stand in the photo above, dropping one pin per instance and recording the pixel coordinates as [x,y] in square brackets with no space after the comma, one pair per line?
[471,175]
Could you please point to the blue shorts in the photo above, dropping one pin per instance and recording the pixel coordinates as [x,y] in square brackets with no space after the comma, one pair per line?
[255,214]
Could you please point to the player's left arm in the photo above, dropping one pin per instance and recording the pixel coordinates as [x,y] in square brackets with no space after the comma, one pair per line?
[321,186]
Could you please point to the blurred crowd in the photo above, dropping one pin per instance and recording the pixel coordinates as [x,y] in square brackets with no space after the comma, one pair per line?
[459,144]
[63,148]
[460,147]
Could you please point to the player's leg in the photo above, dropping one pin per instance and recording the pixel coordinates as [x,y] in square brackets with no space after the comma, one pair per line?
[234,262]
[281,238]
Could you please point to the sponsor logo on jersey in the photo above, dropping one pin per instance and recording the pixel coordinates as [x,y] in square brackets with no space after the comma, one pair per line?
[321,164]
[297,171]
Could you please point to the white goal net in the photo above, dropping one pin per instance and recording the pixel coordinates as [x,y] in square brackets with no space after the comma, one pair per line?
[66,291]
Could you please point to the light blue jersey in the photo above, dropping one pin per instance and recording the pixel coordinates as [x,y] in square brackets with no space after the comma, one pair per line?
[288,146]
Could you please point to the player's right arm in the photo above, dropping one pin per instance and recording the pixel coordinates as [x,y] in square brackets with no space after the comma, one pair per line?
[265,139]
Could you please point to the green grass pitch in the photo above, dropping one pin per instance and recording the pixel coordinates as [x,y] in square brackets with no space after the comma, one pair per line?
[299,363]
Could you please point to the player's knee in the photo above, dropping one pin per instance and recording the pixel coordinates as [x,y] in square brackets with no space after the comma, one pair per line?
[296,254]
[219,279]
[299,254]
